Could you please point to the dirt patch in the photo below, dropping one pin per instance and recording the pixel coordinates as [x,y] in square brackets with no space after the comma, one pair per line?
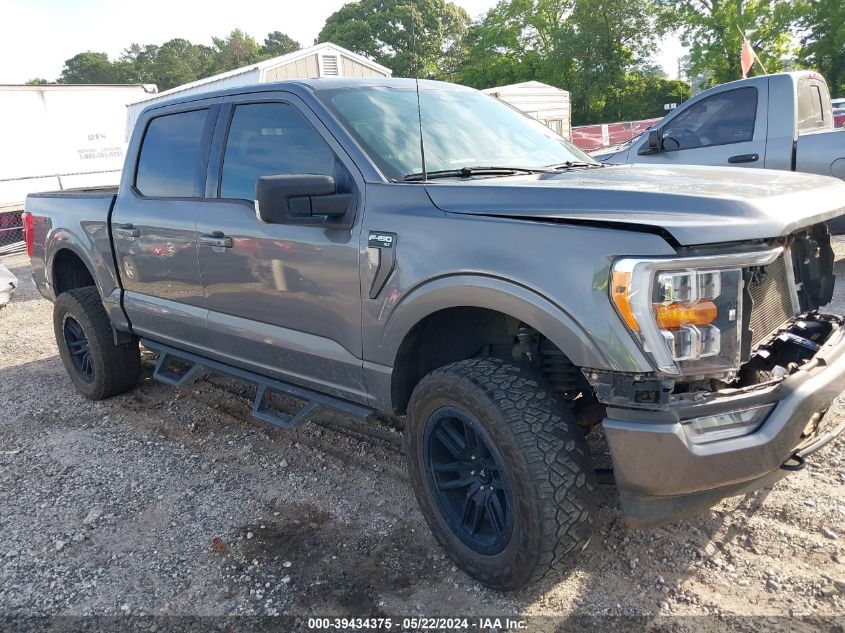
[304,547]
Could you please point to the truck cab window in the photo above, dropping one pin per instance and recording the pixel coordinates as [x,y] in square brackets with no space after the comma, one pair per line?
[814,109]
[267,139]
[722,119]
[169,162]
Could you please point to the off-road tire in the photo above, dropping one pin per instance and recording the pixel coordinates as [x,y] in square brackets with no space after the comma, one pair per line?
[116,368]
[543,452]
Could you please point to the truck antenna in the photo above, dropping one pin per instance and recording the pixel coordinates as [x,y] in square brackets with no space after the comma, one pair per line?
[417,84]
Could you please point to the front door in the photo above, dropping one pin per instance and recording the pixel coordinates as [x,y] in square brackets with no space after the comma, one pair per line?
[282,299]
[154,228]
[724,129]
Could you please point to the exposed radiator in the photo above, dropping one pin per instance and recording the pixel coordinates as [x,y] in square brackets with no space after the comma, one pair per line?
[771,299]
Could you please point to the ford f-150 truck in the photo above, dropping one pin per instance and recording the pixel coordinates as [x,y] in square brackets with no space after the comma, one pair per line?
[420,249]
[784,121]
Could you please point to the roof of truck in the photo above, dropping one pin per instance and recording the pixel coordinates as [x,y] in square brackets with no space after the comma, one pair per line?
[301,86]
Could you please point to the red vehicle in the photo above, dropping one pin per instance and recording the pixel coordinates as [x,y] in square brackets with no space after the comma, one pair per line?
[838,112]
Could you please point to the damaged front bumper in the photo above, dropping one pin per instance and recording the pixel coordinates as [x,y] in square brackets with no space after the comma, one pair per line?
[665,470]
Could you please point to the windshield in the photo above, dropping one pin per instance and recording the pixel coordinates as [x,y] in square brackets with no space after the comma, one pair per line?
[461,128]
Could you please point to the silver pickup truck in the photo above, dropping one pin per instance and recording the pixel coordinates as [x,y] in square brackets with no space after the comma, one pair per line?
[428,252]
[782,121]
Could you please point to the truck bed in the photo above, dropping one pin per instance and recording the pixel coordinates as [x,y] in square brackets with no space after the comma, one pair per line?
[83,192]
[73,223]
[821,152]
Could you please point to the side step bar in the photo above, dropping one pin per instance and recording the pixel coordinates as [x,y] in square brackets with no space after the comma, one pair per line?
[177,368]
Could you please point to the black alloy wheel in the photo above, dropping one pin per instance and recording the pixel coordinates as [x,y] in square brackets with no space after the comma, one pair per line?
[96,363]
[470,485]
[78,348]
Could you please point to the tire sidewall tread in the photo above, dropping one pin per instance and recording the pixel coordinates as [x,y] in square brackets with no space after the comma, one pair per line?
[545,455]
[116,367]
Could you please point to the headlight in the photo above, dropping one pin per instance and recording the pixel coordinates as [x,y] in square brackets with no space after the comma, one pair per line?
[686,312]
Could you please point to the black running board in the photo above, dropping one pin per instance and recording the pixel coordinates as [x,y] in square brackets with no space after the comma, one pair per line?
[190,366]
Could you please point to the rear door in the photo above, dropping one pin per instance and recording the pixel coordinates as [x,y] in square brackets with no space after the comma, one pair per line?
[282,299]
[154,225]
[727,128]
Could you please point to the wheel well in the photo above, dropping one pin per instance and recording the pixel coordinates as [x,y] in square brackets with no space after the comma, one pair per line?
[459,333]
[69,272]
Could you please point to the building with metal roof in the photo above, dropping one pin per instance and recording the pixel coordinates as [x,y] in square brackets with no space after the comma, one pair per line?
[320,60]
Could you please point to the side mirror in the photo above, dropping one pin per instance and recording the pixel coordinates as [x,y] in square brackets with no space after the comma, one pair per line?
[653,143]
[302,199]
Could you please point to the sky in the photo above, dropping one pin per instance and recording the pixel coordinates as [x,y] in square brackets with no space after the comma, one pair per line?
[37,36]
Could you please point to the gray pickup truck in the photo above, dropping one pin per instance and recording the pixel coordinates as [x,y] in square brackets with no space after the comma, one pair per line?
[423,250]
[784,121]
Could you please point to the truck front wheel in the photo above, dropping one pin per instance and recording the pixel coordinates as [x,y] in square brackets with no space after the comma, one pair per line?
[501,471]
[98,368]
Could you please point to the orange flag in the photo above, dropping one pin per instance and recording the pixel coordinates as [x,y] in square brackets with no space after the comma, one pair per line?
[748,56]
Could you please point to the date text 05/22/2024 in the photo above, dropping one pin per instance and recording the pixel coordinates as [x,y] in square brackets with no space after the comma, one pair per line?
[486,624]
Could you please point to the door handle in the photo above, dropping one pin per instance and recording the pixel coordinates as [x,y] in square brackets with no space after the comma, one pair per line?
[126,230]
[744,158]
[216,239]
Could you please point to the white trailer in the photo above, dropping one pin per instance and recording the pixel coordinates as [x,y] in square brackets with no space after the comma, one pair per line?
[59,137]
[550,105]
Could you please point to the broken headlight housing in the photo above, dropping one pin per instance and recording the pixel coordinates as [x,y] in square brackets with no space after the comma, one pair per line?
[686,312]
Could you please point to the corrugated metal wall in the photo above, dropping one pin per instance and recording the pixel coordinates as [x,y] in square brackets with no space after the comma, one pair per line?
[545,103]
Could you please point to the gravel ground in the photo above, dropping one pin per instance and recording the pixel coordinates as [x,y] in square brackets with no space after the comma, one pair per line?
[166,501]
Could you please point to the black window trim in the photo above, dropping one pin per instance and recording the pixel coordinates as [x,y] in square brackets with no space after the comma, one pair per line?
[204,149]
[723,92]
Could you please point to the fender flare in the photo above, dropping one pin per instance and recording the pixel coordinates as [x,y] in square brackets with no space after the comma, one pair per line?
[100,272]
[64,240]
[492,293]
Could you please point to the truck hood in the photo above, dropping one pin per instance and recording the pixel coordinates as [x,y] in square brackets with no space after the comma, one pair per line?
[695,205]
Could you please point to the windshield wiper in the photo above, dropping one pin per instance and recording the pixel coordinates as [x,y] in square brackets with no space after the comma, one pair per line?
[570,164]
[468,172]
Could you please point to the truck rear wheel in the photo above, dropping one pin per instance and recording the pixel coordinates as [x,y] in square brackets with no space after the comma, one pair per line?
[98,368]
[501,471]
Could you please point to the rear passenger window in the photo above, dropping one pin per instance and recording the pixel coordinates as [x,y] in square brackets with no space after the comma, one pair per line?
[269,139]
[169,164]
[813,108]
[725,118]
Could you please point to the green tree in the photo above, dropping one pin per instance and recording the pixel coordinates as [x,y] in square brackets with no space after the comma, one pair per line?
[592,48]
[278,43]
[235,51]
[641,95]
[139,63]
[38,81]
[608,40]
[178,62]
[711,28]
[412,37]
[513,43]
[89,68]
[823,40]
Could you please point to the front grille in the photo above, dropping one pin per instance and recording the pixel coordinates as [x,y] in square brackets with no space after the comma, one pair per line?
[771,299]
